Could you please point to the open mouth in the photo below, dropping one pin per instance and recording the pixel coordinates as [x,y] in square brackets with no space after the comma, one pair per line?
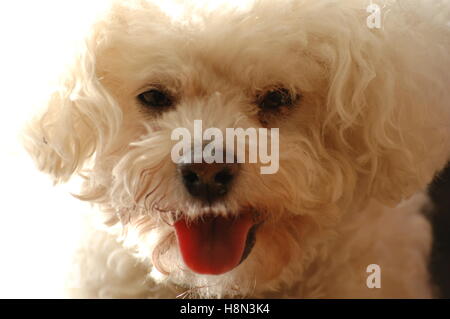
[214,245]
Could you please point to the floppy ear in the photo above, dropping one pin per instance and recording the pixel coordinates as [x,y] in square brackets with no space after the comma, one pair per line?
[388,107]
[80,120]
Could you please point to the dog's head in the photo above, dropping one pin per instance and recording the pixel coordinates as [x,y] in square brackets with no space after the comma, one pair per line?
[355,122]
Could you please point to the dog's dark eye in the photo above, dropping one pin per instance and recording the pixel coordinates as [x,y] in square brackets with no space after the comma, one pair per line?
[155,98]
[276,98]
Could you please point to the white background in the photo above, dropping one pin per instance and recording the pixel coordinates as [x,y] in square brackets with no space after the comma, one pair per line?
[39,223]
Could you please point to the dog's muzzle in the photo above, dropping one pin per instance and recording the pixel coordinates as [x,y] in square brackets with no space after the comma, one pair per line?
[207,181]
[213,244]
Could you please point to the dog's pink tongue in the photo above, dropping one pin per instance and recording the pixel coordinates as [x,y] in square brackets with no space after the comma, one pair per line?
[213,245]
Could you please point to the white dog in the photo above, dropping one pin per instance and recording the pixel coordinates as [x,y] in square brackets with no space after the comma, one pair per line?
[361,97]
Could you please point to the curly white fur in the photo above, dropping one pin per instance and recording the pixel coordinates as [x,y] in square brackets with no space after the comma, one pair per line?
[372,130]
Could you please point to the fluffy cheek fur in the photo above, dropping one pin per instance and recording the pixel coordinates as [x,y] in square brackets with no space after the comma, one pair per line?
[367,125]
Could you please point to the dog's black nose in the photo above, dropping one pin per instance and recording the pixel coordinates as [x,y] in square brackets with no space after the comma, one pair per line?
[208,181]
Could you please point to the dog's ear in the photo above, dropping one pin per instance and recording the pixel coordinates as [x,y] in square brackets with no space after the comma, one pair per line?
[79,121]
[388,110]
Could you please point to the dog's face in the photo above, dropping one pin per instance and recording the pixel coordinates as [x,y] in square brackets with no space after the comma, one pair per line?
[227,229]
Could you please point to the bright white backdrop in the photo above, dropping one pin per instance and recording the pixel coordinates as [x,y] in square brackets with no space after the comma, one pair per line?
[39,224]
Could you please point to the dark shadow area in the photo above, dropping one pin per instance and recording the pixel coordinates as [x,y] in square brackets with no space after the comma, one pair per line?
[440,217]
